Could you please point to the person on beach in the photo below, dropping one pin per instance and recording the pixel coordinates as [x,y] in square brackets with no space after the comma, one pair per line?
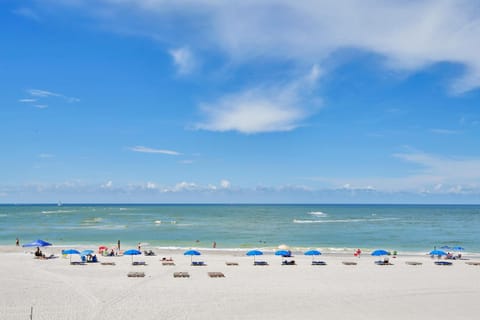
[17,242]
[357,253]
[118,245]
[139,247]
[214,245]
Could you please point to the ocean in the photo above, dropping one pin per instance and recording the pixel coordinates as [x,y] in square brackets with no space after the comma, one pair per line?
[332,227]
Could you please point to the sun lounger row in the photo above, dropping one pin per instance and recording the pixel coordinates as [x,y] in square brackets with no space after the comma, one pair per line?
[136,274]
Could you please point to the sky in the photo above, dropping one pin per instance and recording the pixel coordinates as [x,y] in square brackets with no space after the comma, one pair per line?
[266,101]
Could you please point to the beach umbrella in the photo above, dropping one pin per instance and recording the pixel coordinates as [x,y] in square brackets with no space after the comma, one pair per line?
[37,243]
[70,252]
[283,253]
[254,253]
[446,248]
[191,253]
[458,248]
[86,252]
[380,252]
[437,253]
[132,252]
[312,253]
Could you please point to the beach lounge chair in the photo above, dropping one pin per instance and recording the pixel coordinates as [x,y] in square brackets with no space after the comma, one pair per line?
[288,263]
[443,263]
[139,263]
[77,263]
[260,263]
[413,263]
[168,263]
[383,263]
[231,263]
[136,274]
[198,263]
[318,263]
[181,275]
[216,275]
[349,263]
[473,263]
[107,263]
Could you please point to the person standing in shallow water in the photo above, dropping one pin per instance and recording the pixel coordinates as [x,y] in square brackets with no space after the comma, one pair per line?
[214,245]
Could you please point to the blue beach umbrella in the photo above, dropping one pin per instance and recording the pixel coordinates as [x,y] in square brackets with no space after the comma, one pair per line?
[37,243]
[458,248]
[380,252]
[283,253]
[132,252]
[254,253]
[70,252]
[191,253]
[86,252]
[437,253]
[312,253]
[446,248]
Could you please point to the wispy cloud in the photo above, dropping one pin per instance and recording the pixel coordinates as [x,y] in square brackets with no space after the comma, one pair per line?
[444,131]
[38,98]
[42,93]
[262,109]
[27,13]
[433,174]
[27,100]
[152,150]
[408,35]
[45,155]
[183,59]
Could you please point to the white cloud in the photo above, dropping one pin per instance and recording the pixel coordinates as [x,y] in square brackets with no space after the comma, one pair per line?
[152,150]
[262,109]
[151,185]
[225,184]
[107,185]
[42,93]
[39,98]
[410,35]
[183,59]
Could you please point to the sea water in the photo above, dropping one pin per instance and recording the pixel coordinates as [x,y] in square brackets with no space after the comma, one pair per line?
[415,228]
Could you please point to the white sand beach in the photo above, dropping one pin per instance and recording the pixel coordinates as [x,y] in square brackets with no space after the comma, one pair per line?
[54,289]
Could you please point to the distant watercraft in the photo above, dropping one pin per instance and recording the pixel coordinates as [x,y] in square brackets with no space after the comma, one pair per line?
[59,203]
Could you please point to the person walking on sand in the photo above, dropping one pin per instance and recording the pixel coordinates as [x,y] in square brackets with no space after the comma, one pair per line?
[118,245]
[17,242]
[214,245]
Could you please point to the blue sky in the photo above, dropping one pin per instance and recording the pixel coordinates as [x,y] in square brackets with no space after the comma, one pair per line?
[256,101]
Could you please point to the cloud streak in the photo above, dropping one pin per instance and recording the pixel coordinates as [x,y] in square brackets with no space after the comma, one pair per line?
[38,98]
[143,149]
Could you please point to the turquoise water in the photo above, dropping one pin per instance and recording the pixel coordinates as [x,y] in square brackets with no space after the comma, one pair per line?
[396,227]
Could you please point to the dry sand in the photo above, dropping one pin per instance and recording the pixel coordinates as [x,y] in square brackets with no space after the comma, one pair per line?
[54,289]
